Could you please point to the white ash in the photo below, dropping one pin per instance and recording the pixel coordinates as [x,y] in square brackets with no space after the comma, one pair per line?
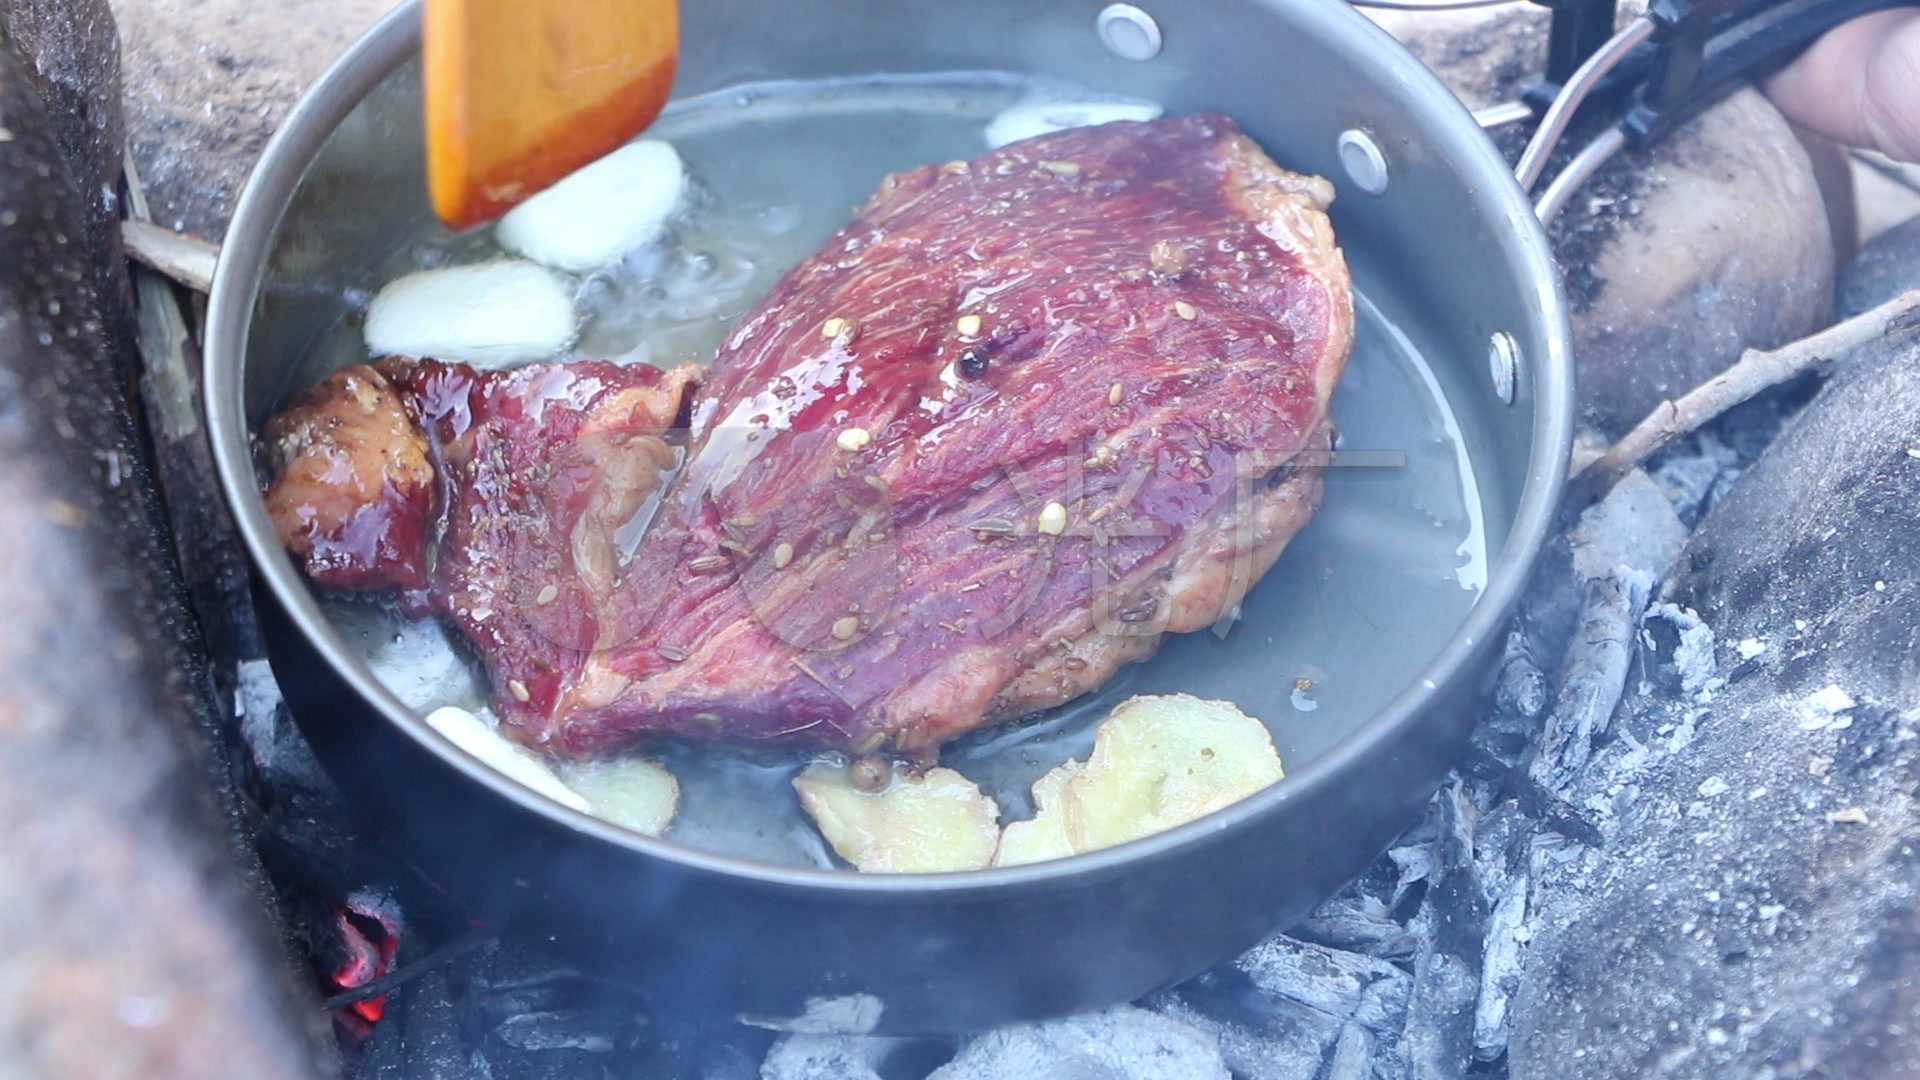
[258,704]
[1828,701]
[1124,1043]
[1692,657]
[1633,528]
[827,1057]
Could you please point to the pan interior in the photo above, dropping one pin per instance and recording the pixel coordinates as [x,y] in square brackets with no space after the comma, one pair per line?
[1365,597]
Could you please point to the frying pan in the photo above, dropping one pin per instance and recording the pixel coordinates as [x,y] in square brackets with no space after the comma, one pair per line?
[1442,241]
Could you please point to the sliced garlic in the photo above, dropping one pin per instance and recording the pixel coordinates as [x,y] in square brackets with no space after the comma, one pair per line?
[478,738]
[632,792]
[1041,114]
[933,822]
[490,314]
[593,217]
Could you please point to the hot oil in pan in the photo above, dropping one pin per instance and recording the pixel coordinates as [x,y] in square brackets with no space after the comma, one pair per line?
[1362,600]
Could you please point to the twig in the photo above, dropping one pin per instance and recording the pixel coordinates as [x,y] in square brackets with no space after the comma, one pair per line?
[410,971]
[1535,798]
[185,259]
[1755,371]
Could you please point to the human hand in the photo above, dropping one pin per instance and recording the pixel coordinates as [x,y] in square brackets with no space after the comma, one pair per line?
[1859,84]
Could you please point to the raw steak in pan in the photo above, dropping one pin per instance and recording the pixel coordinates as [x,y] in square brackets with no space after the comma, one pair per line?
[1023,416]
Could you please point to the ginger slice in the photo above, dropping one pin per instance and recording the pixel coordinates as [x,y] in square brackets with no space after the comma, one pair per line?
[936,821]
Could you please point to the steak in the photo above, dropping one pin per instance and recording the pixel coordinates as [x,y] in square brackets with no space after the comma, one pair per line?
[1022,417]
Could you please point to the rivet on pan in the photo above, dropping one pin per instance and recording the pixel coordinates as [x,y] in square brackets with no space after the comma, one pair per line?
[1366,166]
[1503,359]
[1128,32]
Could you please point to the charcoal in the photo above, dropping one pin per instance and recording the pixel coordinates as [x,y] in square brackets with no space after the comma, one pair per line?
[1259,1038]
[1353,1054]
[1886,267]
[1619,550]
[504,1003]
[711,1048]
[1124,1043]
[1689,471]
[1437,1039]
[1677,654]
[1284,1009]
[1522,688]
[381,1052]
[561,1029]
[1359,925]
[1500,969]
[1773,882]
[1594,676]
[1342,984]
[436,1049]
[1414,862]
[509,981]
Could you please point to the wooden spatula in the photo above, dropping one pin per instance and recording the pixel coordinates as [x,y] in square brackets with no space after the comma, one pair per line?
[519,93]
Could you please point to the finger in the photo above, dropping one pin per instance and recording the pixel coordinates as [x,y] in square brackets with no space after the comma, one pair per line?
[1859,84]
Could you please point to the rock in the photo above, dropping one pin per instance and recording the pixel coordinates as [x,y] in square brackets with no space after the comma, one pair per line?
[1119,1044]
[1676,259]
[1888,266]
[1756,911]
[208,81]
[74,55]
[1717,242]
[73,60]
[133,946]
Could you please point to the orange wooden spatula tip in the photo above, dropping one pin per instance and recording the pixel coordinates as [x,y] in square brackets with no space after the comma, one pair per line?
[520,93]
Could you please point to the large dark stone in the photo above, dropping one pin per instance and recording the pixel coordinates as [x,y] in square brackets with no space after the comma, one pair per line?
[1756,910]
[1676,258]
[73,59]
[1885,268]
[73,55]
[132,944]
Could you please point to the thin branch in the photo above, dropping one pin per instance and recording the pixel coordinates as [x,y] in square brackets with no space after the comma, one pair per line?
[185,259]
[409,971]
[1755,371]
